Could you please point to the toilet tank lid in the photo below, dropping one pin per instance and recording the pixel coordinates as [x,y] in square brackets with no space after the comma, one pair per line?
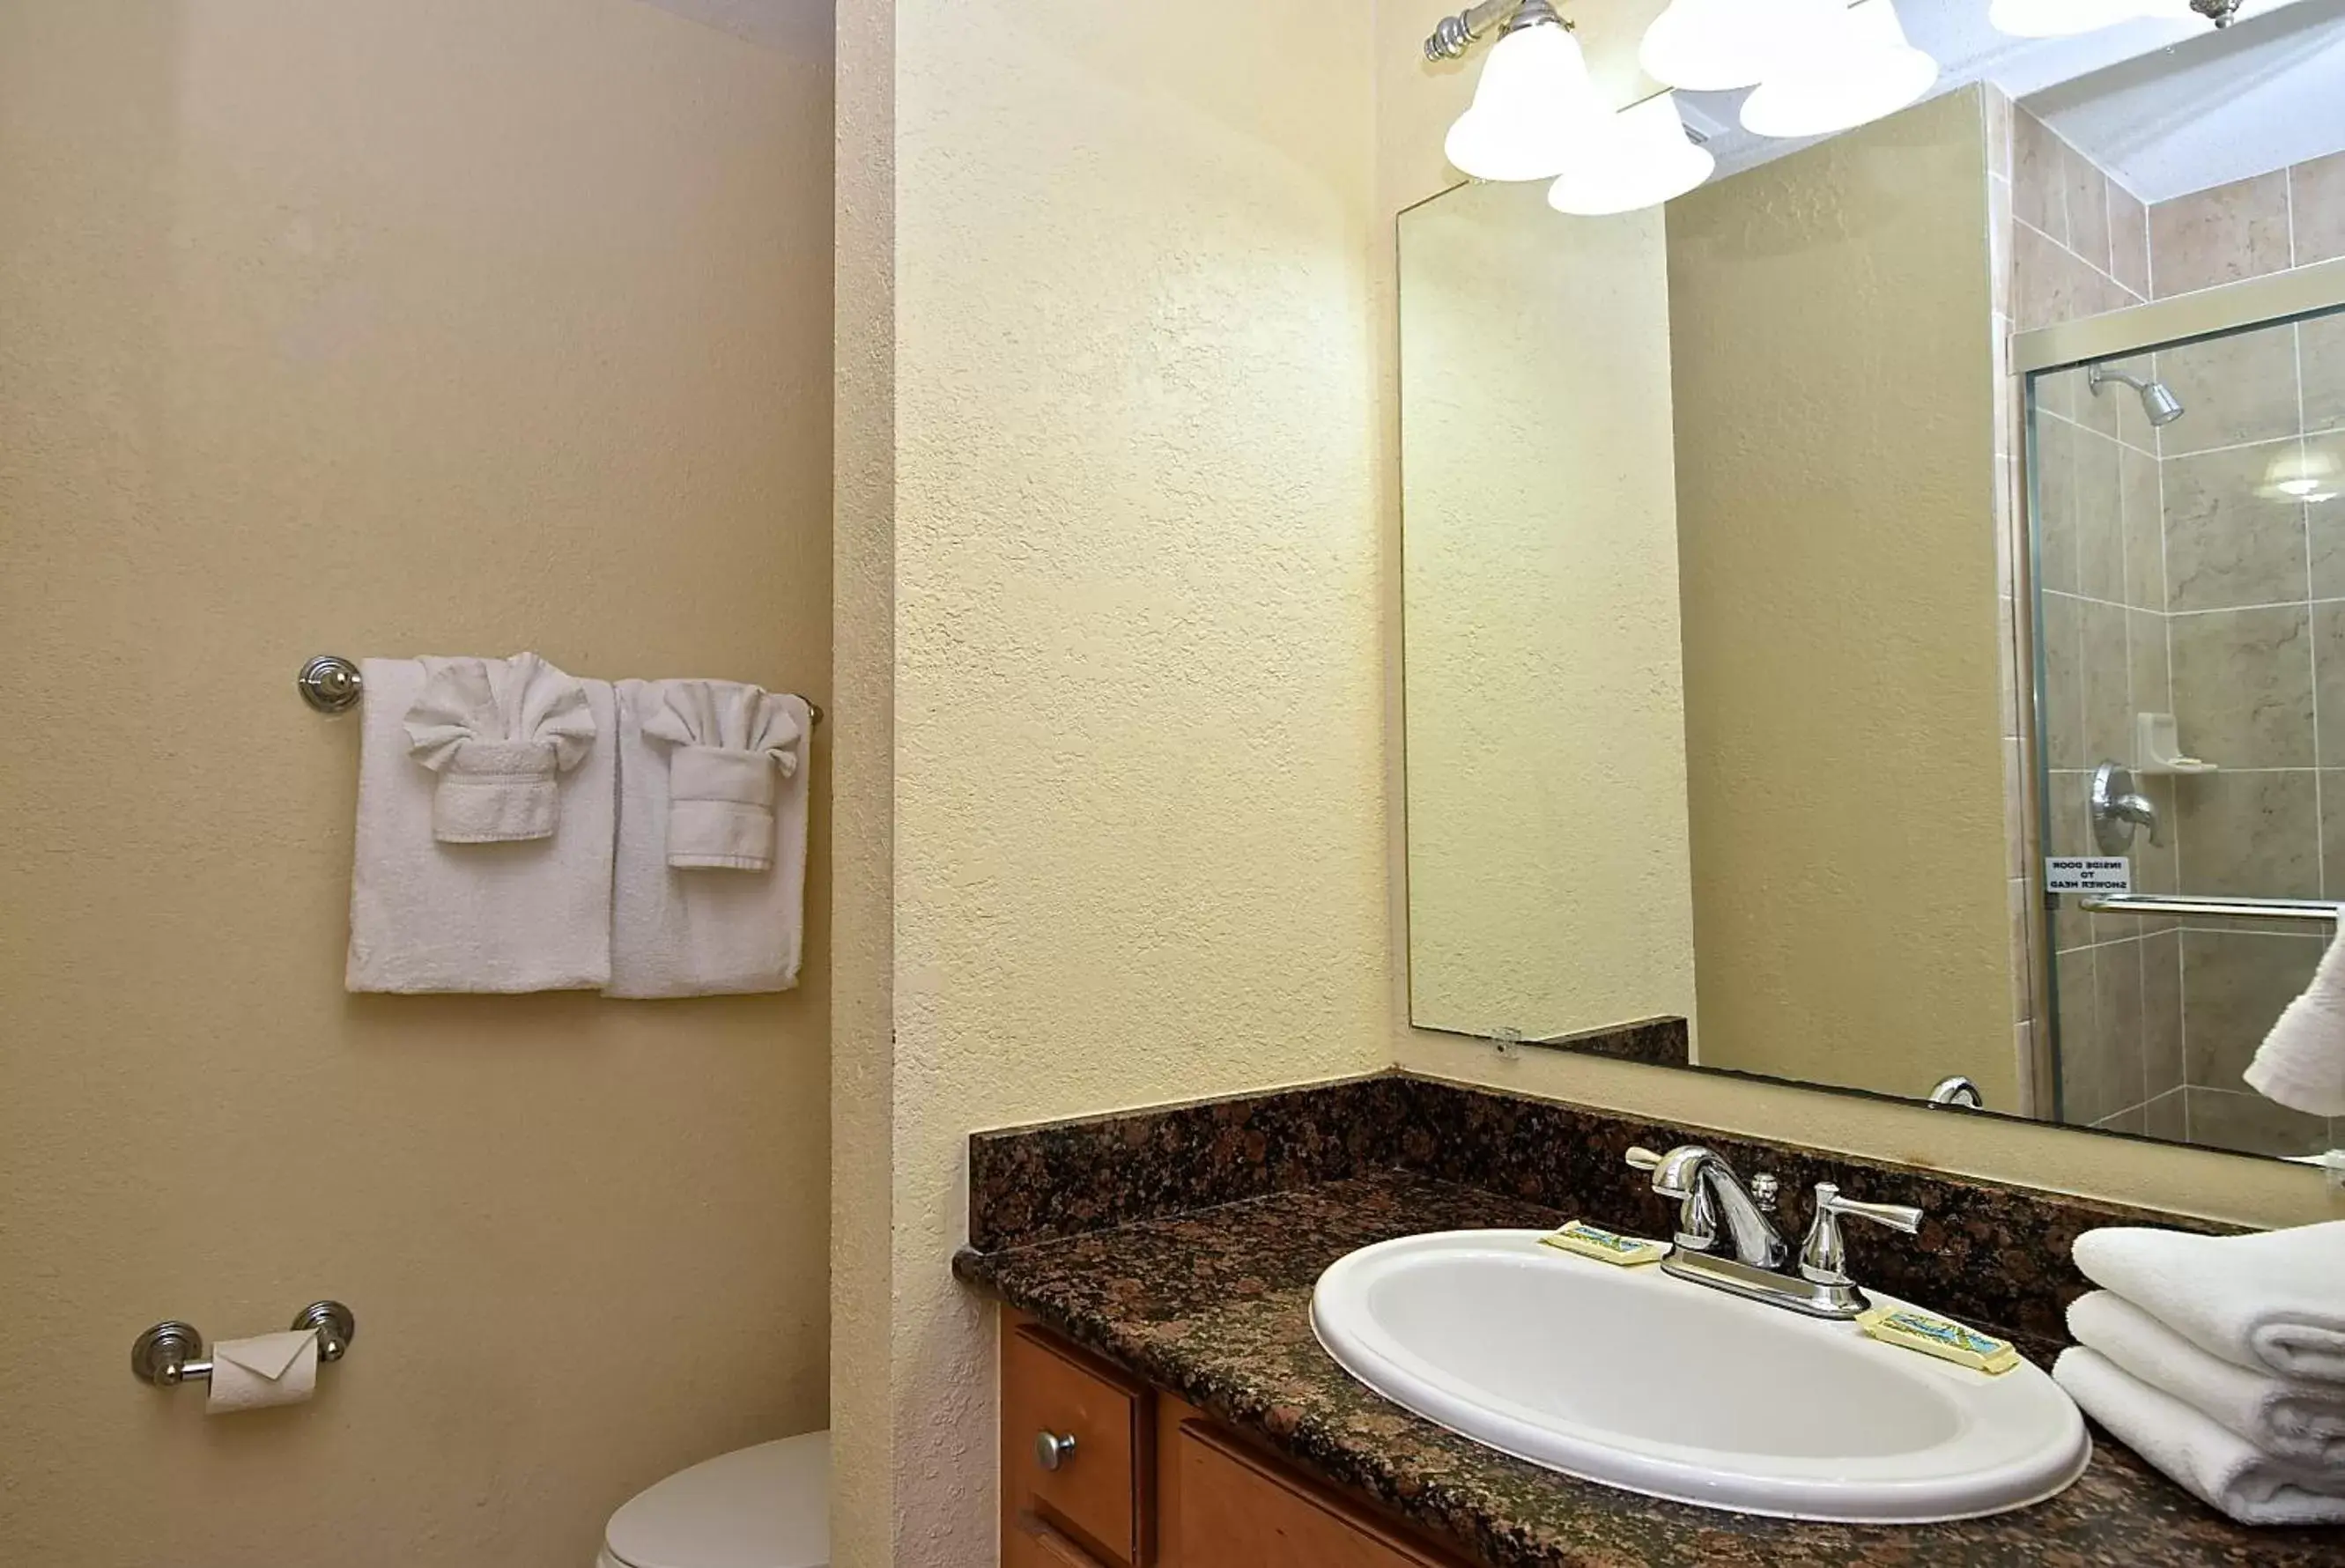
[762,1507]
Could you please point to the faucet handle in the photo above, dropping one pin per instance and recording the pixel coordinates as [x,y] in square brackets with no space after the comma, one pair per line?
[1641,1159]
[1823,1257]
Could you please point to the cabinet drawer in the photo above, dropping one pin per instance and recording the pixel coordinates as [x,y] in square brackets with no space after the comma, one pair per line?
[1238,1506]
[1095,1491]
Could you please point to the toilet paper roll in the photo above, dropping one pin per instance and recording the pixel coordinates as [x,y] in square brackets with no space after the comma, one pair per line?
[267,1369]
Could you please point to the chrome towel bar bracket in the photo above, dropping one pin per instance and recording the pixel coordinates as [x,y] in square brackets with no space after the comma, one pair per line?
[170,1353]
[332,684]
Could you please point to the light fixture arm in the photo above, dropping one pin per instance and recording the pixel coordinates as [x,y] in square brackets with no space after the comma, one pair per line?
[1458,33]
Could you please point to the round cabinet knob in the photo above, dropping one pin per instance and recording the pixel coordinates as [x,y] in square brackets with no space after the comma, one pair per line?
[1052,1450]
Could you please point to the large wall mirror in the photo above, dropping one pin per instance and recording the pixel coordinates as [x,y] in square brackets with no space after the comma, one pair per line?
[1879,619]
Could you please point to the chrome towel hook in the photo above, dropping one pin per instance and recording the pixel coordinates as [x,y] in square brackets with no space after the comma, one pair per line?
[171,1352]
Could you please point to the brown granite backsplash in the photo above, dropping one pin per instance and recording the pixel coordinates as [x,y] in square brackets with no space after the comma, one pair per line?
[1994,1255]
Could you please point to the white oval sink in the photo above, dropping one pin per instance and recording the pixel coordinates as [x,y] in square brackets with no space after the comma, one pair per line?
[1634,1378]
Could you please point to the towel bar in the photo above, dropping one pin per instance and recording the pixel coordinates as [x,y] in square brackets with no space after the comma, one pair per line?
[167,1355]
[2231,909]
[332,684]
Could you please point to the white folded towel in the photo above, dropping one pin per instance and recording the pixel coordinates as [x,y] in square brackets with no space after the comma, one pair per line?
[2301,1063]
[2272,1302]
[497,731]
[427,915]
[2303,1422]
[2218,1466]
[701,931]
[728,742]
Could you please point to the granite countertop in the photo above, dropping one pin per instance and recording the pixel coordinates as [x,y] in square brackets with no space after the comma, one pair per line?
[1214,1305]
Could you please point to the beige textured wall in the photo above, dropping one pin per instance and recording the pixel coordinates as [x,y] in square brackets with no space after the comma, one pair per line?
[366,328]
[1835,513]
[1415,103]
[1138,821]
[1548,888]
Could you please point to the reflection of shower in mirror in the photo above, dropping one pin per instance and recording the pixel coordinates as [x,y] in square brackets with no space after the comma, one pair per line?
[2159,404]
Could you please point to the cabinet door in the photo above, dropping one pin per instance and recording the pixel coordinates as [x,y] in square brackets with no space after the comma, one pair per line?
[1239,1507]
[1094,1419]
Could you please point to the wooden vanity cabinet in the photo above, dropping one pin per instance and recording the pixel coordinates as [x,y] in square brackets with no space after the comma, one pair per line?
[1151,1481]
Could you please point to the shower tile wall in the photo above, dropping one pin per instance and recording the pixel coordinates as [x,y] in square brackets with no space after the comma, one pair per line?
[2183,573]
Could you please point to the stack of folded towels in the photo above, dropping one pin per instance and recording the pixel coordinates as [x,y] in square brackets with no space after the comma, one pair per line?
[2220,1360]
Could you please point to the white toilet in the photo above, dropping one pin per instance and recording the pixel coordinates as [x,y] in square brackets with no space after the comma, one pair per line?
[762,1507]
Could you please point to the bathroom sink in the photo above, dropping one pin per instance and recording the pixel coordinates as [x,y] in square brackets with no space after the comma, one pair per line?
[1636,1379]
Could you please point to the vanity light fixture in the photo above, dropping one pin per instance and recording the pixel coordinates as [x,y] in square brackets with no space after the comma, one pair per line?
[1718,46]
[1533,108]
[1858,69]
[1641,158]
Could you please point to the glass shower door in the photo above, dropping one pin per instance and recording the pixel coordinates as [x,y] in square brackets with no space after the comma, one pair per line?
[2190,632]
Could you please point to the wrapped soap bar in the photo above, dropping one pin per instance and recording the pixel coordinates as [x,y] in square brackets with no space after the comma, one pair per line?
[1589,1241]
[1940,1337]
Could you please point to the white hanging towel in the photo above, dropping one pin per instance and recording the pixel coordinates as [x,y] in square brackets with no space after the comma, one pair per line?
[498,731]
[709,893]
[530,914]
[2301,1423]
[2301,1063]
[2273,1301]
[2220,1468]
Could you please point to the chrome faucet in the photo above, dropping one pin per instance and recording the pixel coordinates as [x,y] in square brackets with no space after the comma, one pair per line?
[1707,1190]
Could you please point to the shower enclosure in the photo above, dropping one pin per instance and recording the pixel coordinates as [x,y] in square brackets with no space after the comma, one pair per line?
[2187,519]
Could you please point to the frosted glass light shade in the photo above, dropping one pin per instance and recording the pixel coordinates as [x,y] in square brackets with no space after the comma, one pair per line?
[1862,69]
[1641,158]
[1717,46]
[2065,18]
[1533,109]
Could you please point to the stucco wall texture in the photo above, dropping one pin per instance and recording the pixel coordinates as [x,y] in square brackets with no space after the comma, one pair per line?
[1548,880]
[1138,814]
[372,327]
[1835,459]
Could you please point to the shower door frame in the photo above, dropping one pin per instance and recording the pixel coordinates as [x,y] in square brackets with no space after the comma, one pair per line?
[2274,299]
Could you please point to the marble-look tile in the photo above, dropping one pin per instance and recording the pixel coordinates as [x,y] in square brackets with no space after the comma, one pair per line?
[2161,1012]
[2057,391]
[2169,1116]
[2322,341]
[2077,1038]
[2100,520]
[2251,1125]
[2214,236]
[2110,1076]
[2332,833]
[2249,835]
[2329,670]
[2054,459]
[2087,199]
[2128,240]
[2141,500]
[2037,191]
[2317,197]
[2323,465]
[2157,867]
[2050,284]
[2061,634]
[2136,1121]
[2066,816]
[2243,686]
[2231,537]
[2234,985]
[2152,688]
[1998,129]
[2233,389]
[2108,671]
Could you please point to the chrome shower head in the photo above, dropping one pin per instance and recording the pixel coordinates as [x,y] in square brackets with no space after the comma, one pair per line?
[2159,404]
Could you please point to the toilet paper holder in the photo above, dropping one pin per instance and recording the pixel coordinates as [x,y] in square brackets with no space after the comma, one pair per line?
[170,1353]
